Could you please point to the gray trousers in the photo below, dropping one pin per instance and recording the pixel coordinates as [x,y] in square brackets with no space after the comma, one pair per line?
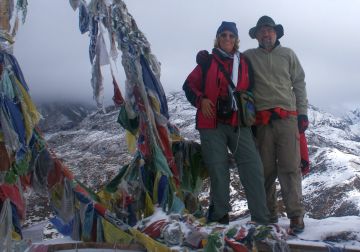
[279,147]
[214,145]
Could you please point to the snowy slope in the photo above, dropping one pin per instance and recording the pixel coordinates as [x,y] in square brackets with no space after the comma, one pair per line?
[95,149]
[333,186]
[327,130]
[353,119]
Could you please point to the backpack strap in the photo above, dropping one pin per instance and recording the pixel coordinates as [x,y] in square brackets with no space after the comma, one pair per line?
[206,65]
[226,74]
[204,69]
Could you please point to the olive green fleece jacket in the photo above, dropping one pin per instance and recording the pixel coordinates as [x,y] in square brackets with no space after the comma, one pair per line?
[278,79]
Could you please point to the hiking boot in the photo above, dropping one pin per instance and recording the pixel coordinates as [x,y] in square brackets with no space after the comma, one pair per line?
[223,220]
[209,214]
[297,224]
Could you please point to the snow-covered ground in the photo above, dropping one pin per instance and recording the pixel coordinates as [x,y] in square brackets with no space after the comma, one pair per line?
[339,232]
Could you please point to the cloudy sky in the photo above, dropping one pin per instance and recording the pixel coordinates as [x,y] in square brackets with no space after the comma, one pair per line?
[323,33]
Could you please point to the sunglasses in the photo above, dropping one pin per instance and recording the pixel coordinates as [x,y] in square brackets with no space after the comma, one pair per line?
[225,35]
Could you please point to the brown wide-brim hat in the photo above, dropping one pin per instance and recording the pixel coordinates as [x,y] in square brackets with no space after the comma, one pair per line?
[267,21]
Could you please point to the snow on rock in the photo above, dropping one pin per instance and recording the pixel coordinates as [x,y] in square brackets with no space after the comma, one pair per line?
[353,119]
[343,230]
[182,114]
[340,168]
[335,167]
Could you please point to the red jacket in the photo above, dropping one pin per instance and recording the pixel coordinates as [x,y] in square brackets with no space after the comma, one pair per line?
[215,85]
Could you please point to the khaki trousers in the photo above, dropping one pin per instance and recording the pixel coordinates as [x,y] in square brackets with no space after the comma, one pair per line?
[279,148]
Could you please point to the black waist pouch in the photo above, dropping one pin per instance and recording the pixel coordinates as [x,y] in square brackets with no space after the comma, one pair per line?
[223,107]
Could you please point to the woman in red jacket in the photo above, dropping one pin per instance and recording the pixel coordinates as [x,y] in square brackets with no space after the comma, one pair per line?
[209,89]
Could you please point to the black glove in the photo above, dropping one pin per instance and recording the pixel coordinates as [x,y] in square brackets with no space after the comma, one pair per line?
[303,123]
[203,58]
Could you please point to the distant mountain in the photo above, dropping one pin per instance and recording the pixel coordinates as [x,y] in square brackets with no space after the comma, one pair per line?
[353,116]
[62,116]
[353,119]
[94,148]
[333,186]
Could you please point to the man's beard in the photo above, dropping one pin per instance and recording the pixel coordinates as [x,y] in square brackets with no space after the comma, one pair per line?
[267,43]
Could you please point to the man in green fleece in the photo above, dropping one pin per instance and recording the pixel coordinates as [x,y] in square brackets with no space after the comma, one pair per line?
[281,102]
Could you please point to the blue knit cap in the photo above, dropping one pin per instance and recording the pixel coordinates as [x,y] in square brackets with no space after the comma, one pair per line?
[227,26]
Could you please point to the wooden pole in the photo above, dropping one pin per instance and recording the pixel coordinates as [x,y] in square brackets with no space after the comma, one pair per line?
[4,26]
[4,15]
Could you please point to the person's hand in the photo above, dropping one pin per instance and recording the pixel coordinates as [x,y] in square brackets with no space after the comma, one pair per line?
[303,123]
[203,58]
[207,108]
